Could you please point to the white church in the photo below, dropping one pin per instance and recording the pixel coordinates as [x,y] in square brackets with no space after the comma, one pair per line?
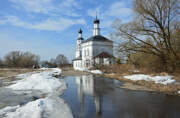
[96,50]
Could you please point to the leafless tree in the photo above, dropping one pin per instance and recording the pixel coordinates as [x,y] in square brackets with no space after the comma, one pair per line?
[61,60]
[13,59]
[154,30]
[1,63]
[19,59]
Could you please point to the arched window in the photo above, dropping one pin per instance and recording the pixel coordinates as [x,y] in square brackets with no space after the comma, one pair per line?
[87,52]
[84,52]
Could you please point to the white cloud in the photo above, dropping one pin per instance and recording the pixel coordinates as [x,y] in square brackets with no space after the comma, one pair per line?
[119,9]
[37,6]
[49,24]
[48,7]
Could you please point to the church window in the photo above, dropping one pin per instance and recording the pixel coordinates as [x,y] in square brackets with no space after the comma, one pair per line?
[84,52]
[87,52]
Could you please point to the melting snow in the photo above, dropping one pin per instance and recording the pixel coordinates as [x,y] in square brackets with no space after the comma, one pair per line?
[157,79]
[2,77]
[42,81]
[42,108]
[96,71]
[90,71]
[49,107]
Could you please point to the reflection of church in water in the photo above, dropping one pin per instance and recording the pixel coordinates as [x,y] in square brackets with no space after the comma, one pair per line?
[96,88]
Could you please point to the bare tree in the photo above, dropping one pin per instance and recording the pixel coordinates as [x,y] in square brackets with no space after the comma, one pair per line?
[28,59]
[61,60]
[13,59]
[153,31]
[1,63]
[19,59]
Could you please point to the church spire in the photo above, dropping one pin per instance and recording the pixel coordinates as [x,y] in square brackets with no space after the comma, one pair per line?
[80,34]
[80,31]
[96,30]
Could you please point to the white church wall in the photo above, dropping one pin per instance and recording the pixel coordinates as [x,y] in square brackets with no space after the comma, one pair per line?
[87,50]
[108,61]
[77,64]
[87,54]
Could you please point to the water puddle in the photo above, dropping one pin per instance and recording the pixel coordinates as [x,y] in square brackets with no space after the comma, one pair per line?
[96,97]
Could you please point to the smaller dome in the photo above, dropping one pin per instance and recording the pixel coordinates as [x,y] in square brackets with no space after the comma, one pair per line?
[80,39]
[80,31]
[96,21]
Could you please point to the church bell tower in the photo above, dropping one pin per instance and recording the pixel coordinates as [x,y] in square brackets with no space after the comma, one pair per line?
[79,41]
[96,30]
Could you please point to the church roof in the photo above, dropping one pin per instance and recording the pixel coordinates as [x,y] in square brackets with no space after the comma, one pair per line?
[98,38]
[80,38]
[96,21]
[79,58]
[104,55]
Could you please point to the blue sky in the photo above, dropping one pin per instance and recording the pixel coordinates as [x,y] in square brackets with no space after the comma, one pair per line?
[49,27]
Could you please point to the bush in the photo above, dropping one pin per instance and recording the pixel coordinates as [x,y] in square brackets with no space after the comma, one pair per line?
[19,59]
[1,63]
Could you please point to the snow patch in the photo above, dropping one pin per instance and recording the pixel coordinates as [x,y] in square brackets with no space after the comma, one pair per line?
[90,71]
[2,77]
[157,79]
[43,81]
[96,71]
[42,108]
[52,106]
[43,68]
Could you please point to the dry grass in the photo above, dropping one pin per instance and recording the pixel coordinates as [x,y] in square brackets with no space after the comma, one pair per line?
[117,71]
[8,72]
[168,89]
[116,68]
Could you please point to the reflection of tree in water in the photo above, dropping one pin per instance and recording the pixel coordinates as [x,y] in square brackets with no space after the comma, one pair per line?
[93,86]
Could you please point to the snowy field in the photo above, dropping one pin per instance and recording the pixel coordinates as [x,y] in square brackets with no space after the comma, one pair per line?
[49,106]
[157,79]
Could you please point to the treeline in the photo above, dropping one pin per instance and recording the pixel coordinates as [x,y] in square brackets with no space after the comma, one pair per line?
[59,61]
[30,60]
[20,59]
[152,39]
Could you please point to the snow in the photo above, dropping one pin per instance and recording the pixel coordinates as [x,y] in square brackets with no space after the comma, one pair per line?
[90,71]
[157,79]
[43,68]
[1,77]
[96,71]
[43,81]
[82,69]
[42,108]
[51,106]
